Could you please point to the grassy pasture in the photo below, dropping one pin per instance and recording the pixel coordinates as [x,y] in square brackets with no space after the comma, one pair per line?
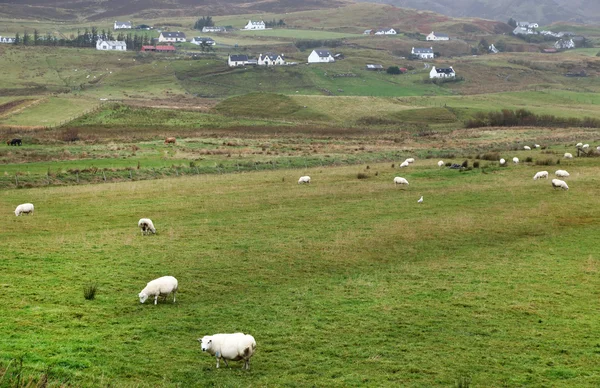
[344,282]
[295,34]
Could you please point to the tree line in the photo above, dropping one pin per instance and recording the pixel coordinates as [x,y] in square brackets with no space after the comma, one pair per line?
[87,38]
[523,117]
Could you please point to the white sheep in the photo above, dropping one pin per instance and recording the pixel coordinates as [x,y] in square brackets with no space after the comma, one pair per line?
[304,179]
[537,146]
[400,181]
[515,160]
[556,183]
[25,208]
[568,155]
[540,175]
[527,148]
[585,146]
[146,225]
[161,286]
[579,145]
[235,346]
[598,148]
[404,164]
[502,161]
[441,163]
[561,173]
[410,160]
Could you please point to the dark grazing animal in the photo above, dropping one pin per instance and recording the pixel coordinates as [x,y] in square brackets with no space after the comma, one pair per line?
[14,142]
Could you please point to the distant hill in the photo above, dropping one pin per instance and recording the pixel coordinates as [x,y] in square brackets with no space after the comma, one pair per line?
[103,9]
[540,11]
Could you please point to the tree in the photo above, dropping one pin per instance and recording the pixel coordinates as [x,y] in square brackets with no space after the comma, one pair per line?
[204,21]
[18,38]
[393,70]
[512,22]
[36,36]
[26,39]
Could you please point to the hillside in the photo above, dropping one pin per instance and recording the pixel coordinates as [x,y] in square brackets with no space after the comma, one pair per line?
[540,11]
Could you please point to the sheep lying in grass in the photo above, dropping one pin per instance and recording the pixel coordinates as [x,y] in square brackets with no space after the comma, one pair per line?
[537,146]
[515,160]
[557,183]
[527,148]
[441,163]
[146,225]
[598,148]
[304,179]
[568,155]
[236,346]
[502,161]
[540,175]
[561,173]
[25,208]
[404,164]
[161,286]
[410,160]
[585,146]
[400,181]
[579,145]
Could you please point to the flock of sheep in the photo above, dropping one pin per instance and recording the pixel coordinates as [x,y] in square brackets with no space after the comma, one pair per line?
[239,346]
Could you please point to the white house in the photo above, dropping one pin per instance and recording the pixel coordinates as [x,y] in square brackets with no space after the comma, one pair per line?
[171,37]
[523,31]
[493,49]
[423,53]
[5,39]
[198,40]
[237,60]
[367,32]
[213,29]
[270,59]
[386,31]
[123,25]
[527,25]
[320,56]
[438,36]
[447,72]
[255,25]
[564,44]
[109,45]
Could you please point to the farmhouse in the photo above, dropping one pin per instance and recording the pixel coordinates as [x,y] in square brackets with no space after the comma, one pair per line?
[438,36]
[158,49]
[118,45]
[423,53]
[198,40]
[255,25]
[527,25]
[440,72]
[237,60]
[564,44]
[386,31]
[493,49]
[213,29]
[523,31]
[122,25]
[320,56]
[5,39]
[270,59]
[171,37]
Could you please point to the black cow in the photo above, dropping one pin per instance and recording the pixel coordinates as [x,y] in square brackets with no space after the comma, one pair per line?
[15,142]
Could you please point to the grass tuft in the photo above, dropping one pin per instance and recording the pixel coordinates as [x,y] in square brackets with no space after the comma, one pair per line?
[89,291]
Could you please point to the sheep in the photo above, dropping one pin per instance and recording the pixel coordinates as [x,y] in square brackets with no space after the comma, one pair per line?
[540,175]
[598,148]
[536,145]
[235,346]
[146,225]
[556,183]
[527,148]
[170,140]
[304,179]
[26,208]
[404,164]
[410,160]
[579,145]
[420,200]
[515,160]
[400,181]
[502,161]
[161,286]
[441,163]
[585,146]
[561,173]
[568,155]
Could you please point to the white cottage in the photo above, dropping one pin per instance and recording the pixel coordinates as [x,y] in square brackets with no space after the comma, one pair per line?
[6,39]
[111,45]
[198,40]
[270,59]
[320,56]
[255,25]
[171,37]
[386,31]
[122,25]
[438,36]
[423,53]
[213,29]
[237,60]
[441,72]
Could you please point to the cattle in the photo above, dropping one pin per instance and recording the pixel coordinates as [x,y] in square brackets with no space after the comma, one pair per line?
[15,142]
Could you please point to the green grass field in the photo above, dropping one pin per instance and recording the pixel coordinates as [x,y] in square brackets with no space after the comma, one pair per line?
[345,282]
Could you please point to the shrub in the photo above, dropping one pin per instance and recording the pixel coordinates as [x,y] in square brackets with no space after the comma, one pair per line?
[70,134]
[544,162]
[528,159]
[491,156]
[465,164]
[393,70]
[362,175]
[475,164]
[89,291]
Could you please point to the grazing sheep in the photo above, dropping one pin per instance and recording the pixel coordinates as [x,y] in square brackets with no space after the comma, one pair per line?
[527,148]
[170,140]
[304,179]
[515,160]
[578,145]
[400,181]
[598,148]
[235,347]
[557,183]
[561,173]
[161,286]
[441,163]
[540,175]
[585,146]
[502,161]
[404,164]
[420,200]
[537,146]
[26,208]
[568,155]
[410,160]
[146,225]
